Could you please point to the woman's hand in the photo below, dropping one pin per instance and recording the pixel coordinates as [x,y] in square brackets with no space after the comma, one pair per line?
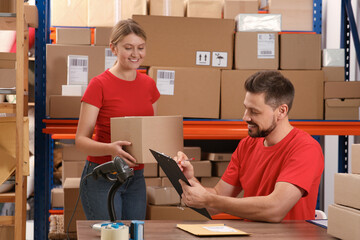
[118,150]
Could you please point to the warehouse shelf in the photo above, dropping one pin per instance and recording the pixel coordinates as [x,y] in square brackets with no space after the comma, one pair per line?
[7,197]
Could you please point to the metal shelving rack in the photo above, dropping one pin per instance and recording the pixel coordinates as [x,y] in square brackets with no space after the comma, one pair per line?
[48,129]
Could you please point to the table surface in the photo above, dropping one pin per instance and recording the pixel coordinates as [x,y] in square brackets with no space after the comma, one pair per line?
[167,230]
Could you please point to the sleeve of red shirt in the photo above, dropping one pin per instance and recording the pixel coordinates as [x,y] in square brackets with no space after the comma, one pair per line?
[93,94]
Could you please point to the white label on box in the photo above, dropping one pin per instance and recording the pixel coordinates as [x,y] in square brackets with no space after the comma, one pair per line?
[219,59]
[165,82]
[266,45]
[203,58]
[110,58]
[77,70]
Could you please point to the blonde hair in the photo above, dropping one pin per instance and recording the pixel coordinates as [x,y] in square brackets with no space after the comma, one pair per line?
[124,28]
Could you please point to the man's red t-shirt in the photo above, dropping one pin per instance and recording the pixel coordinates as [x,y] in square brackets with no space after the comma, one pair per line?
[296,159]
[118,98]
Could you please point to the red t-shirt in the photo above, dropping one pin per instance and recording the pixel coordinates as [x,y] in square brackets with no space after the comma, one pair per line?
[297,159]
[118,98]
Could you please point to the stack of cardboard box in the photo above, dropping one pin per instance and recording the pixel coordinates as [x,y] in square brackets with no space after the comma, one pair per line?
[344,215]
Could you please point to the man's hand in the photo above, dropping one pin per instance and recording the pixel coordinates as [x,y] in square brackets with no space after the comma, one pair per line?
[185,165]
[194,195]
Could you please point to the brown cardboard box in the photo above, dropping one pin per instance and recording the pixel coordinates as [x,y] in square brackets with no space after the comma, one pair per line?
[73,36]
[102,36]
[172,213]
[167,8]
[64,106]
[72,169]
[57,197]
[296,15]
[300,51]
[7,60]
[7,78]
[165,182]
[256,50]
[347,190]
[31,15]
[219,168]
[101,13]
[56,65]
[7,56]
[204,8]
[217,156]
[233,7]
[169,38]
[209,181]
[150,169]
[69,13]
[8,6]
[162,195]
[71,192]
[153,181]
[160,133]
[334,74]
[70,153]
[342,89]
[193,152]
[342,109]
[355,158]
[343,222]
[202,168]
[128,8]
[308,102]
[185,94]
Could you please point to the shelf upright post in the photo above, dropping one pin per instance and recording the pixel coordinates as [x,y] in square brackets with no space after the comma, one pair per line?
[317,16]
[42,166]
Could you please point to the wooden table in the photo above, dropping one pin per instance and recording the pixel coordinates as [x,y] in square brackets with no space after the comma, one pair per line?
[167,230]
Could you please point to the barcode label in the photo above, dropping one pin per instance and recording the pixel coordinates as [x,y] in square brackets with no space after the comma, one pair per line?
[77,70]
[78,62]
[108,52]
[266,46]
[165,82]
[110,58]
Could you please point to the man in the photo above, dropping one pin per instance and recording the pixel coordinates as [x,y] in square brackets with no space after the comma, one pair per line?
[278,166]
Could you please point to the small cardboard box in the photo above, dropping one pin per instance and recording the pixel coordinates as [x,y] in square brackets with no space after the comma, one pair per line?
[7,60]
[217,156]
[73,36]
[334,74]
[355,158]
[184,93]
[169,38]
[347,190]
[160,133]
[150,169]
[165,182]
[202,168]
[162,195]
[64,106]
[342,109]
[204,8]
[57,197]
[102,13]
[219,168]
[70,153]
[102,36]
[233,7]
[69,13]
[72,169]
[193,152]
[71,193]
[256,50]
[7,78]
[209,181]
[300,51]
[150,181]
[343,222]
[342,89]
[172,213]
[174,8]
[127,8]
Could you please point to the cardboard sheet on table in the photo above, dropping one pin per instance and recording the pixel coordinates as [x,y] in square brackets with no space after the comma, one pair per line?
[173,172]
[211,230]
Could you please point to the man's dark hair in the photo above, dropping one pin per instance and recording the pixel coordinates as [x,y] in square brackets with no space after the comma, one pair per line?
[278,89]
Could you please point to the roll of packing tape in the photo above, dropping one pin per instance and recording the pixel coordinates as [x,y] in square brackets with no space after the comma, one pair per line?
[115,232]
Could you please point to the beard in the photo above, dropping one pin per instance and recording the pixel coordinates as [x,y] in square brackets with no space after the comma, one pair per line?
[257,133]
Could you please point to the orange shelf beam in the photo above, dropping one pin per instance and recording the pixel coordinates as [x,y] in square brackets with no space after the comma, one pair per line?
[217,129]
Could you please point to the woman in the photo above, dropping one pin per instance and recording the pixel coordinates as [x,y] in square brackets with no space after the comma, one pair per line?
[119,91]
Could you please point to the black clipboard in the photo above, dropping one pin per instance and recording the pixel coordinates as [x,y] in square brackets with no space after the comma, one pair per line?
[173,172]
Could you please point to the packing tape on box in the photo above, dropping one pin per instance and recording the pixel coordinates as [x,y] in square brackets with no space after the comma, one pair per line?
[115,232]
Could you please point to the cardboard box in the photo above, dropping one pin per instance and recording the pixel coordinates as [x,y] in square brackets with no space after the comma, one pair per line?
[153,181]
[7,78]
[209,181]
[72,169]
[233,7]
[297,15]
[334,74]
[70,153]
[343,222]
[308,101]
[56,65]
[165,182]
[128,8]
[202,168]
[256,50]
[31,15]
[217,156]
[160,133]
[69,13]
[342,109]
[184,93]
[172,213]
[7,56]
[162,195]
[102,13]
[258,22]
[355,158]
[7,60]
[344,89]
[73,36]
[71,192]
[150,169]
[64,106]
[102,36]
[300,51]
[73,90]
[333,57]
[167,8]
[347,190]
[57,197]
[219,168]
[193,152]
[211,41]
[204,8]
[8,6]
